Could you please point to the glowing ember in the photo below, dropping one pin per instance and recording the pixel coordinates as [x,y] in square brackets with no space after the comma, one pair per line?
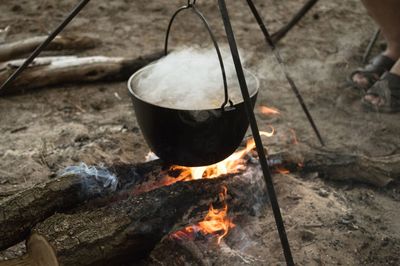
[282,170]
[268,134]
[216,223]
[269,110]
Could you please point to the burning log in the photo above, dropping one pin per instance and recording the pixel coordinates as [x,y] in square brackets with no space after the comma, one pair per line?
[22,211]
[48,71]
[9,51]
[123,231]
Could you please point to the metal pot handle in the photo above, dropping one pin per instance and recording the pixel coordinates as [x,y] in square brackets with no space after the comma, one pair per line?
[191,4]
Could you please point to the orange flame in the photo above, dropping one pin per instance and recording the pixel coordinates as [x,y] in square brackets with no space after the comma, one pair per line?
[216,222]
[282,170]
[269,110]
[232,164]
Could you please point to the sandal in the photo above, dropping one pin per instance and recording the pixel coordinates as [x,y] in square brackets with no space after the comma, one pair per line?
[372,72]
[387,91]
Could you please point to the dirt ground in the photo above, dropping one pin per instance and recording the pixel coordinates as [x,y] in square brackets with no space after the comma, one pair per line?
[329,223]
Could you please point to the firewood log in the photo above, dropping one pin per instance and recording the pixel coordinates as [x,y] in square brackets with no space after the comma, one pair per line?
[50,71]
[123,231]
[13,50]
[22,211]
[339,165]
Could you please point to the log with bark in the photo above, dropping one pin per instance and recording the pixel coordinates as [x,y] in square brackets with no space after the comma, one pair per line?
[13,50]
[340,165]
[49,71]
[22,211]
[123,231]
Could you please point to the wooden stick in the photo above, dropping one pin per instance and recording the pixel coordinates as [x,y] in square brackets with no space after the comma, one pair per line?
[50,71]
[9,51]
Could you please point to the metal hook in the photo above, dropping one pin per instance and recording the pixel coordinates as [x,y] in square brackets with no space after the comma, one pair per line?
[191,3]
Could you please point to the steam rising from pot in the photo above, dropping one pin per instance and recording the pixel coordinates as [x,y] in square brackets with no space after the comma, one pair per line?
[190,79]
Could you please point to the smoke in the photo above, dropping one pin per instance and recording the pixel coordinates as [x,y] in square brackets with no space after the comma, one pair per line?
[96,178]
[190,79]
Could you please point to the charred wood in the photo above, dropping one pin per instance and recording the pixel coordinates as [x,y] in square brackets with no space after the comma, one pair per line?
[20,212]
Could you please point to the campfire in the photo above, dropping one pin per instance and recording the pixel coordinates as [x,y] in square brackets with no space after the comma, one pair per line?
[153,186]
[80,211]
[216,222]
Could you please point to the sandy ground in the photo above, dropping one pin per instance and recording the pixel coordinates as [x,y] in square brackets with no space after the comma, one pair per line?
[350,224]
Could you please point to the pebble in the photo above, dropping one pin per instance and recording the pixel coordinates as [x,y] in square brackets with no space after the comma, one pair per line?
[323,193]
[307,235]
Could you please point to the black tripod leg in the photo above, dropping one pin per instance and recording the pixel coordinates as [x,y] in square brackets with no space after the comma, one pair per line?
[284,70]
[277,36]
[41,47]
[256,134]
[371,44]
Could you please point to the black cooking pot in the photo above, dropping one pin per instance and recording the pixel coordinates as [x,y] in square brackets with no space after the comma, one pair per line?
[192,137]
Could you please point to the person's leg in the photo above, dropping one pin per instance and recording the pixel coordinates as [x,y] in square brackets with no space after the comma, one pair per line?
[386,14]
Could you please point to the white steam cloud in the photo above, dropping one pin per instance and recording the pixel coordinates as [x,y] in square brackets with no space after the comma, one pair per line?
[190,79]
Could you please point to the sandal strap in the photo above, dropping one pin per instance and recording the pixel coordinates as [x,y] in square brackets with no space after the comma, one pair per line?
[380,64]
[394,84]
[388,89]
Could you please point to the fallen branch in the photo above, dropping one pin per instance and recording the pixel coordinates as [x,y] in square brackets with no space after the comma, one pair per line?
[9,51]
[50,71]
